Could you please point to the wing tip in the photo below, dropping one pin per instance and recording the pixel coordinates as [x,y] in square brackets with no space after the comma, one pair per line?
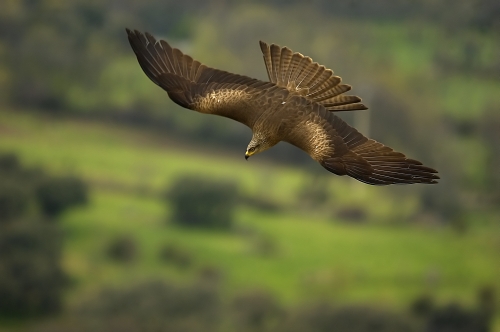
[131,34]
[150,37]
[372,174]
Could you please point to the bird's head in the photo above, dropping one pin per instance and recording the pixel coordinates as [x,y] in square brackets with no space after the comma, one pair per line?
[258,144]
[251,150]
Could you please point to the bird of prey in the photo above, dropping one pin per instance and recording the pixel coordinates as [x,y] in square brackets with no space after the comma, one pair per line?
[297,106]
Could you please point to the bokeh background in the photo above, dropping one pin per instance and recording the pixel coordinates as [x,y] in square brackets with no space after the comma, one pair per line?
[120,211]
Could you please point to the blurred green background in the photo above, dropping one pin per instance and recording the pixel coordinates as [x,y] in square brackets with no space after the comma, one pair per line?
[120,211]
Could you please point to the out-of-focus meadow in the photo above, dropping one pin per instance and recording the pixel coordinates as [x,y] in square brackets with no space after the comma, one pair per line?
[120,211]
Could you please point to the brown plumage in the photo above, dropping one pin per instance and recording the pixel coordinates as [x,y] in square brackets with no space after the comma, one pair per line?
[296,106]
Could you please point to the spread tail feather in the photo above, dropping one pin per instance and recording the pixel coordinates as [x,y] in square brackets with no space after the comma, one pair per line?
[299,74]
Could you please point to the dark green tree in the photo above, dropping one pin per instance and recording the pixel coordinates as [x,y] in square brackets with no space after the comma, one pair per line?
[31,278]
[122,249]
[197,201]
[324,318]
[57,194]
[153,306]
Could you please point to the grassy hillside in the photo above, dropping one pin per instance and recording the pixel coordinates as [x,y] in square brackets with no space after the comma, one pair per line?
[312,255]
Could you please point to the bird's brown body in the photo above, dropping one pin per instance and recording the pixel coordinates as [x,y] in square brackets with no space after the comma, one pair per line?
[296,106]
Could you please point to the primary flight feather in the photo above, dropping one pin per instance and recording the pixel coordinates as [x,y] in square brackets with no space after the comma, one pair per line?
[296,106]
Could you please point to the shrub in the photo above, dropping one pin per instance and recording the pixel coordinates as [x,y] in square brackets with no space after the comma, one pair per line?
[324,318]
[13,201]
[210,275]
[487,301]
[352,214]
[178,256]
[122,249]
[422,305]
[12,172]
[201,202]
[13,194]
[313,193]
[31,279]
[58,194]
[153,306]
[264,245]
[261,203]
[256,311]
[453,318]
[9,163]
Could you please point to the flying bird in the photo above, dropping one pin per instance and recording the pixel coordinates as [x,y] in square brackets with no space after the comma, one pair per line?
[297,106]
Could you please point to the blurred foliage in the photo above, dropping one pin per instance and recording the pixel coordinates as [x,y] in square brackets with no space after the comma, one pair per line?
[314,193]
[453,318]
[264,245]
[153,306]
[261,203]
[13,201]
[20,187]
[352,214]
[31,278]
[198,306]
[323,318]
[478,14]
[58,194]
[122,249]
[16,186]
[167,306]
[197,201]
[177,255]
[256,311]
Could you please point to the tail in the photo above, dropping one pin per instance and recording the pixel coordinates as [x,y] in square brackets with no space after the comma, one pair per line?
[301,75]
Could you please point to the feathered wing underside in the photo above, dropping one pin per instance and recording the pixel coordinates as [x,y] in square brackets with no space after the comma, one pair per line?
[299,74]
[343,150]
[193,85]
[386,165]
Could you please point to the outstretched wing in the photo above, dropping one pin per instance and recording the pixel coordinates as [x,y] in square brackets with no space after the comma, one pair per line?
[193,85]
[299,74]
[343,150]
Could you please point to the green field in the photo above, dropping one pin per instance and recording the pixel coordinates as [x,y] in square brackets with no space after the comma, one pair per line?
[316,257]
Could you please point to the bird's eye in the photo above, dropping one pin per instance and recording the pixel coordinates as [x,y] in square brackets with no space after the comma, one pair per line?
[252,149]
